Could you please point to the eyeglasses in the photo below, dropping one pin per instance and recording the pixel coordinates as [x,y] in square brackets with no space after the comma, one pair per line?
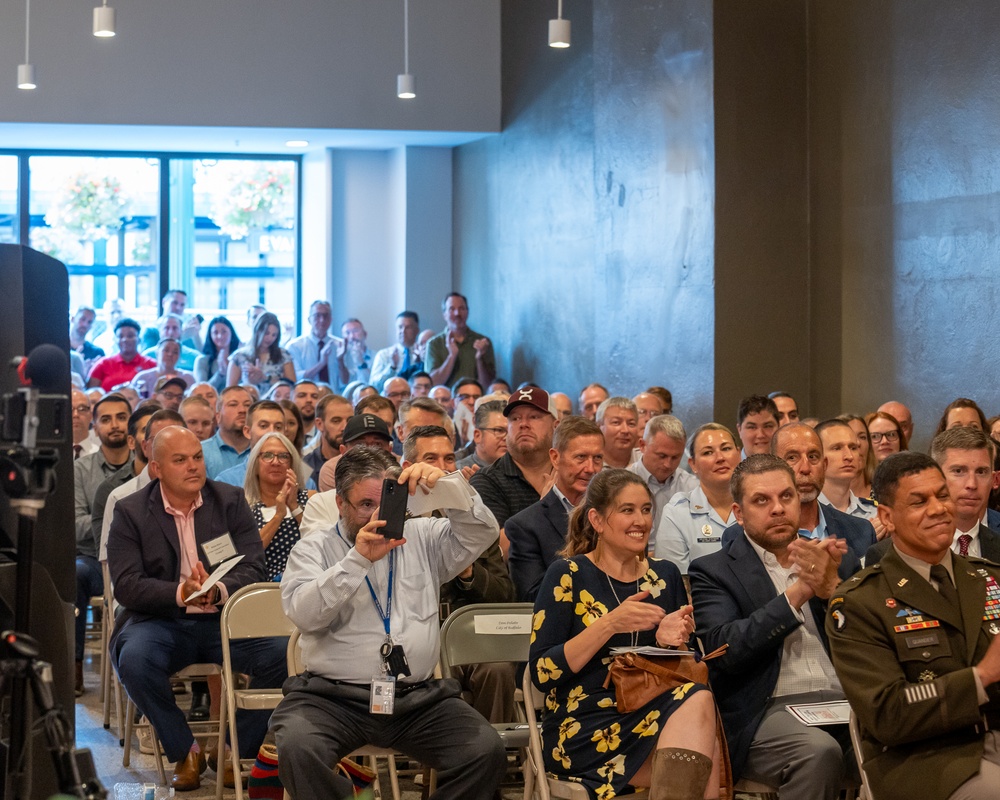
[81,409]
[889,436]
[268,457]
[469,396]
[171,395]
[495,431]
[398,395]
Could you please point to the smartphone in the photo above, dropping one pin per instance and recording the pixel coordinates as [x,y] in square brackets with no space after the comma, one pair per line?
[392,508]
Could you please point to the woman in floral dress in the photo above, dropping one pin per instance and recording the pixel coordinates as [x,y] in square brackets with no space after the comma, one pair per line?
[607,593]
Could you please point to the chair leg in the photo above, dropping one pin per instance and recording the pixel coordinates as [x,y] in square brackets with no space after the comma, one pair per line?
[129,726]
[220,753]
[393,777]
[234,744]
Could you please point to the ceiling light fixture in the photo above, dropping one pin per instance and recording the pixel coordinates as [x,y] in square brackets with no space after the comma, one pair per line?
[405,85]
[26,72]
[104,21]
[559,30]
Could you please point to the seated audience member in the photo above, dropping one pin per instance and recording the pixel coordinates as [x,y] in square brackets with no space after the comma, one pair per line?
[306,396]
[693,522]
[524,473]
[993,427]
[443,395]
[126,363]
[281,389]
[396,390]
[590,398]
[361,391]
[111,416]
[421,384]
[862,483]
[764,594]
[756,422]
[619,422]
[664,394]
[263,417]
[294,426]
[198,416]
[399,360]
[965,456]
[843,457]
[648,406]
[314,353]
[499,386]
[229,444]
[79,326]
[607,593]
[563,405]
[458,351]
[538,533]
[926,698]
[886,435]
[414,414]
[170,326]
[205,390]
[353,355]
[82,416]
[327,711]
[489,438]
[189,331]
[161,628]
[788,409]
[331,414]
[662,448]
[261,362]
[168,351]
[381,408]
[212,366]
[902,414]
[273,488]
[962,412]
[484,580]
[467,392]
[168,391]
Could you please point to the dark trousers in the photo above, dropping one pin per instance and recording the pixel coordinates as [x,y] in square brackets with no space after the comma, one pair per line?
[89,583]
[318,723]
[150,651]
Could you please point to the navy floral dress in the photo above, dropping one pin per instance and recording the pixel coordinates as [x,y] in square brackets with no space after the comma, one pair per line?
[584,738]
[276,553]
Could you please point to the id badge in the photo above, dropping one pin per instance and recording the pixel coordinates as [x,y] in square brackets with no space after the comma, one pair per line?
[219,549]
[383,694]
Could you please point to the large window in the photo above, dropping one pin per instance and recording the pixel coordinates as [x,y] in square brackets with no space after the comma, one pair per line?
[128,227]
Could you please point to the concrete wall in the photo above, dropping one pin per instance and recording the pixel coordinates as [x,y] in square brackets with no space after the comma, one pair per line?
[297,63]
[583,234]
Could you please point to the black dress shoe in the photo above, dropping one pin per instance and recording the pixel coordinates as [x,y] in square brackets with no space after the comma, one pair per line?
[78,686]
[200,706]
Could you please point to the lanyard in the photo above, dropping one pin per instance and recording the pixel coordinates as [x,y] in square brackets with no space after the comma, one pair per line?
[384,615]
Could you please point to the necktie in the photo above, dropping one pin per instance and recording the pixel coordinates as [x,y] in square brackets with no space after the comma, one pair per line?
[406,361]
[963,544]
[77,449]
[324,374]
[945,586]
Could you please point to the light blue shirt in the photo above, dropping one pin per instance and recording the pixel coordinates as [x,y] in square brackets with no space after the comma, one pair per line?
[819,532]
[220,456]
[664,492]
[690,528]
[237,474]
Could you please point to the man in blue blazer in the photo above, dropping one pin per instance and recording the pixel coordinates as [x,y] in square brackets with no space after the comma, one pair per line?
[764,594]
[801,447]
[538,532]
[163,541]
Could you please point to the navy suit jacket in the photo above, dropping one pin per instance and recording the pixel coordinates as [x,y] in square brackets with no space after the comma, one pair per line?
[989,547]
[536,534]
[735,603]
[144,549]
[858,533]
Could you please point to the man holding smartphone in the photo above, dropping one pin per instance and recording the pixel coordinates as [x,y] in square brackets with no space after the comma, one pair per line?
[367,608]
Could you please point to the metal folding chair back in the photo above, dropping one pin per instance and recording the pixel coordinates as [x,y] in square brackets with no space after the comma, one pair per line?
[486,633]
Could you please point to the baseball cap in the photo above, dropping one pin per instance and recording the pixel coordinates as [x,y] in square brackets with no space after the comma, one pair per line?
[363,424]
[168,380]
[531,396]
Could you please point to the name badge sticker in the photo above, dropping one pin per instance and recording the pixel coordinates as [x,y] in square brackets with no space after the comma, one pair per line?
[219,549]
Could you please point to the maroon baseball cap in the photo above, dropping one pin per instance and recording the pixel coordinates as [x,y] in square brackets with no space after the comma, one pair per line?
[530,396]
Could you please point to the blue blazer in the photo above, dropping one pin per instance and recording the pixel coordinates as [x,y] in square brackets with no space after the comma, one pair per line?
[536,534]
[735,603]
[144,549]
[859,533]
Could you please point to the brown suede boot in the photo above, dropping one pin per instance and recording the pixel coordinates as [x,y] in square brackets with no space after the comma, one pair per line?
[679,774]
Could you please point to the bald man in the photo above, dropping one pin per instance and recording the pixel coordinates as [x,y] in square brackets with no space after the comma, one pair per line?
[902,415]
[163,542]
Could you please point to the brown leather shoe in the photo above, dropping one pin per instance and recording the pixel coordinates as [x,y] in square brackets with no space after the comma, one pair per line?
[78,686]
[212,759]
[187,772]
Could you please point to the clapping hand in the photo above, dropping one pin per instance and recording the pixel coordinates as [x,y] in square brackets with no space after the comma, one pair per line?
[635,615]
[676,628]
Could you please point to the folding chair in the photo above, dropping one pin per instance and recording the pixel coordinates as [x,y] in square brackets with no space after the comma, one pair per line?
[253,612]
[370,752]
[491,633]
[855,726]
[109,678]
[546,786]
[192,672]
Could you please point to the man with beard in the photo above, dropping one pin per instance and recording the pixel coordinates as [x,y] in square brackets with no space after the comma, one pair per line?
[111,415]
[332,414]
[230,444]
[618,419]
[524,474]
[335,589]
[764,594]
[305,395]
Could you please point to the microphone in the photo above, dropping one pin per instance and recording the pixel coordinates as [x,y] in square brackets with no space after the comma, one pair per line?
[45,368]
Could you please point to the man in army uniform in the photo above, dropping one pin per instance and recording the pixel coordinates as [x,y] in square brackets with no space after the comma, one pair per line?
[913,640]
